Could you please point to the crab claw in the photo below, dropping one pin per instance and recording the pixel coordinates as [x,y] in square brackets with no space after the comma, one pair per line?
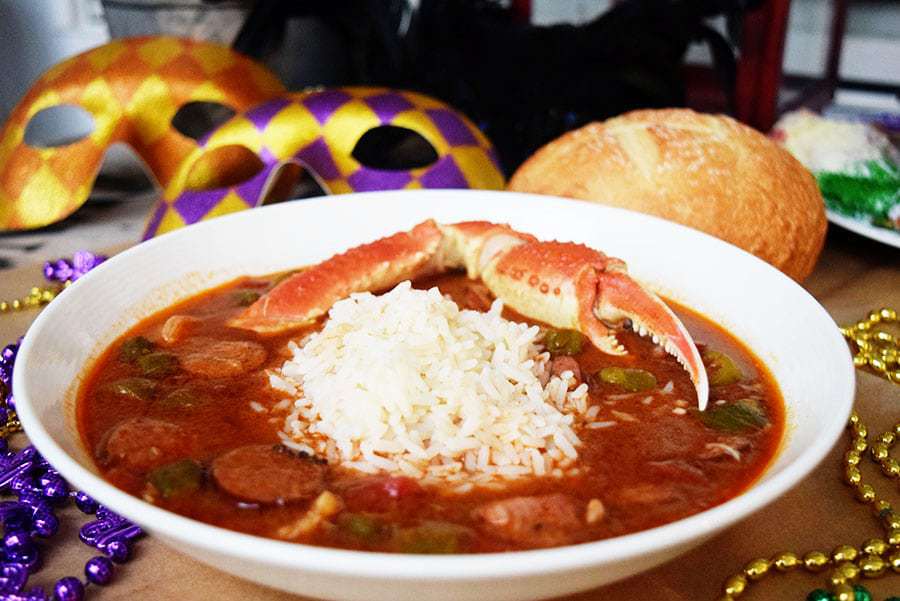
[569,285]
[562,284]
[619,297]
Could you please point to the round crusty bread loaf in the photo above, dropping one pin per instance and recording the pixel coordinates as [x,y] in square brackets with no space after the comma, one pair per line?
[708,172]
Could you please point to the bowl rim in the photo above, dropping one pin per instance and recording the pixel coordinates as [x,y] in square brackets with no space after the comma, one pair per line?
[331,561]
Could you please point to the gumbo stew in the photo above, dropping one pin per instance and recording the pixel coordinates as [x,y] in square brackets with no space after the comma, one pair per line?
[181,411]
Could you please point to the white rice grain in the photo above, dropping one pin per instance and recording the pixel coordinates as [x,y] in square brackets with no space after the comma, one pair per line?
[407,382]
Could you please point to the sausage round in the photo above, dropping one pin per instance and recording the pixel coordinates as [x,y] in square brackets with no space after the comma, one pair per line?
[536,521]
[564,363]
[141,444]
[268,474]
[212,358]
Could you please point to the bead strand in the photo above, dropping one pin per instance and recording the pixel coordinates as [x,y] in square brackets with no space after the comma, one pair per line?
[36,297]
[62,272]
[39,490]
[873,559]
[875,348]
[9,421]
[878,350]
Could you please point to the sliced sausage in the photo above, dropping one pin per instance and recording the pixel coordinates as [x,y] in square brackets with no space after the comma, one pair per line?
[536,521]
[213,358]
[141,444]
[268,474]
[563,363]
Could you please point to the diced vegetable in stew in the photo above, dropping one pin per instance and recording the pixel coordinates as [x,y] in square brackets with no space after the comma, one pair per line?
[721,369]
[383,494]
[175,479]
[245,298]
[140,389]
[364,528]
[183,398]
[157,364]
[431,538]
[563,342]
[630,379]
[135,347]
[736,416]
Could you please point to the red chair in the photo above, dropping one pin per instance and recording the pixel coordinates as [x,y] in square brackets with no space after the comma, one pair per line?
[760,66]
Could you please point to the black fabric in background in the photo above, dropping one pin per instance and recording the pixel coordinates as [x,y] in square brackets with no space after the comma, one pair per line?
[523,85]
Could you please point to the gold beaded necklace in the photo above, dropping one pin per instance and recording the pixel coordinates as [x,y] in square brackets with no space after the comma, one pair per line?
[36,297]
[877,350]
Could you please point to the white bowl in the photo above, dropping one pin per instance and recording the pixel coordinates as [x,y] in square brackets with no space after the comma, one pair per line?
[783,324]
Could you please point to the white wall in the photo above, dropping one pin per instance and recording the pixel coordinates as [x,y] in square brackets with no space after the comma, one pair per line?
[871,49]
[871,46]
[36,34]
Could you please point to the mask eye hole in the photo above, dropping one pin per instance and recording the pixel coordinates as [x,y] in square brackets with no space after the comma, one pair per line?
[198,118]
[394,148]
[290,181]
[58,125]
[222,167]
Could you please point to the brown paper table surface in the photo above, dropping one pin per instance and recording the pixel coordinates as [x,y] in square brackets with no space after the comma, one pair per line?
[853,276]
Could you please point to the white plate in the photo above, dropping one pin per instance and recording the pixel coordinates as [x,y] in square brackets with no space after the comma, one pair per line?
[768,311]
[863,228]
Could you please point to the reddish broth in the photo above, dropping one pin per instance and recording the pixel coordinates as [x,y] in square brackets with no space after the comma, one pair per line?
[657,463]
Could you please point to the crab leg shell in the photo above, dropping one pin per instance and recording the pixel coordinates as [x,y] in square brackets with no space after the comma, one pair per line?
[554,282]
[474,245]
[426,249]
[620,298]
[563,284]
[302,298]
[572,286]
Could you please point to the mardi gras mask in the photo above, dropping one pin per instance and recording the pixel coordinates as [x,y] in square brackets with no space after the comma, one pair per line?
[131,88]
[319,131]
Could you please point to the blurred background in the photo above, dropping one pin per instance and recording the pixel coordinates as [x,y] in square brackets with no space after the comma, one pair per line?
[524,70]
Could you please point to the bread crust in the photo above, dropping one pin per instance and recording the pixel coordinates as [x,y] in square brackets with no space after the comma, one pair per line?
[708,172]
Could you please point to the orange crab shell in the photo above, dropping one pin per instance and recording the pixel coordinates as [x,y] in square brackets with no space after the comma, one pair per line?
[562,284]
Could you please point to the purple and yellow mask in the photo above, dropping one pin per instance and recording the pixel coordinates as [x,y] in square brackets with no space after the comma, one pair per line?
[318,131]
[133,88]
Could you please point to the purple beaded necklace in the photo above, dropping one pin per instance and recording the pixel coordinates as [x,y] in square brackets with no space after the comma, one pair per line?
[40,490]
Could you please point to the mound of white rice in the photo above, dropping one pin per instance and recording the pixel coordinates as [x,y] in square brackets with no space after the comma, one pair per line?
[408,383]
